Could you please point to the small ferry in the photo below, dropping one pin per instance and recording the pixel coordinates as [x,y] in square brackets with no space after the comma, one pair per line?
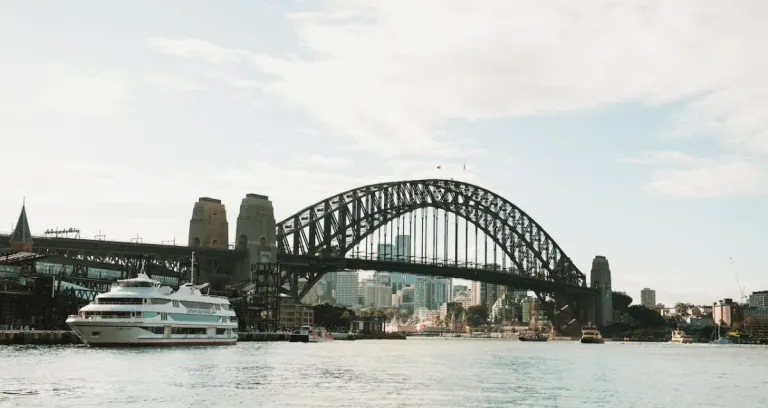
[141,312]
[590,334]
[680,337]
[309,334]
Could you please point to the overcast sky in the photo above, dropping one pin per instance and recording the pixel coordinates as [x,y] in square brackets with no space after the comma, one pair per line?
[637,130]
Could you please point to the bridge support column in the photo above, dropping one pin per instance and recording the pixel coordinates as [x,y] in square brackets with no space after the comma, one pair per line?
[600,279]
[256,232]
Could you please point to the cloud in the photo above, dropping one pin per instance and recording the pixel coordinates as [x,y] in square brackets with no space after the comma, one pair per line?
[89,95]
[680,175]
[195,48]
[328,161]
[738,177]
[662,158]
[387,76]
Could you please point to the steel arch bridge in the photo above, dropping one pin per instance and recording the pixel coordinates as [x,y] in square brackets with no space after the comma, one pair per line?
[321,237]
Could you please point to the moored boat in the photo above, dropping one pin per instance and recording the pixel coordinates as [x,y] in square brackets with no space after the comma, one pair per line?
[141,312]
[533,334]
[309,334]
[718,339]
[591,335]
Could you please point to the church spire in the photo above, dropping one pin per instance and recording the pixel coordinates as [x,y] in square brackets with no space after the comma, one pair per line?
[21,238]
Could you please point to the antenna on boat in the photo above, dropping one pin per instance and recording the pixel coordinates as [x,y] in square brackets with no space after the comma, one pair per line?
[192,269]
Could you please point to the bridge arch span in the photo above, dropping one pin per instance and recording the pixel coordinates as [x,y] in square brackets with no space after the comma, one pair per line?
[334,226]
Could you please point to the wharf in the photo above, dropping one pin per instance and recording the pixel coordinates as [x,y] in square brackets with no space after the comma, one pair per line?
[262,336]
[64,337]
[39,337]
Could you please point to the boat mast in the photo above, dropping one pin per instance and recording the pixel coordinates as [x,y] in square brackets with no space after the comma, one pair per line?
[192,269]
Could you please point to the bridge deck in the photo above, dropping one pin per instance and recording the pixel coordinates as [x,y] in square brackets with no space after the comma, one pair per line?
[438,269]
[129,248]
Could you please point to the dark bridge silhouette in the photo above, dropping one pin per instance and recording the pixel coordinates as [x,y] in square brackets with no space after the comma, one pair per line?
[452,224]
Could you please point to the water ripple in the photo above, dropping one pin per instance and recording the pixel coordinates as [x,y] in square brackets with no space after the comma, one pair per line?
[416,372]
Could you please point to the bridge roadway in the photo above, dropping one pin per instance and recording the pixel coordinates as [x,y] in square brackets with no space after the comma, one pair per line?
[435,268]
[447,270]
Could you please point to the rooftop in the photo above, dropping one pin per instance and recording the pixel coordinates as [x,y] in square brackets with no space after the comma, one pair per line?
[21,233]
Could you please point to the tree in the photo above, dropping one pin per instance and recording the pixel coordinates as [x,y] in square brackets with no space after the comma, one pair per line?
[333,317]
[456,310]
[645,317]
[682,308]
[477,315]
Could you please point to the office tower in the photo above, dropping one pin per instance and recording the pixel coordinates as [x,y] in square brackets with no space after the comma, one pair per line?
[346,288]
[648,298]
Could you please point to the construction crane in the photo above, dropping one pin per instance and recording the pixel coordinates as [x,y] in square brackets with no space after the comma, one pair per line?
[743,298]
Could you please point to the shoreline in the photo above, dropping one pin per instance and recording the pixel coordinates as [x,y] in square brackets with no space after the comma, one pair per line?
[68,337]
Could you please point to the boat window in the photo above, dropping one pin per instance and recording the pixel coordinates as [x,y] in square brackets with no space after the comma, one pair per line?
[224,307]
[195,305]
[221,331]
[140,284]
[189,330]
[155,330]
[159,301]
[108,315]
[119,301]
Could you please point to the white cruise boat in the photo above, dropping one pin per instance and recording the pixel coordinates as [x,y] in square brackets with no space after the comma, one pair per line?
[140,312]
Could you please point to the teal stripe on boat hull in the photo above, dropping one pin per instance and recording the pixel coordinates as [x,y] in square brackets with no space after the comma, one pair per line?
[189,317]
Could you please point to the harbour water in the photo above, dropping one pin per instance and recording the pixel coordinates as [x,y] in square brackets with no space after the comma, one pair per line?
[421,373]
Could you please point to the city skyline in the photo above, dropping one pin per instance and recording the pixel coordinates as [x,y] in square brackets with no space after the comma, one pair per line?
[649,149]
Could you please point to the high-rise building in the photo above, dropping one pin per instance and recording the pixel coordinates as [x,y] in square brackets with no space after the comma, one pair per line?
[648,298]
[376,295]
[402,253]
[422,292]
[459,289]
[382,277]
[759,299]
[406,298]
[384,252]
[346,288]
[440,292]
[517,294]
[478,293]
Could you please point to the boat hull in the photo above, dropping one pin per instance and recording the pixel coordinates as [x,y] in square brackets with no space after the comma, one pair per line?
[591,340]
[130,335]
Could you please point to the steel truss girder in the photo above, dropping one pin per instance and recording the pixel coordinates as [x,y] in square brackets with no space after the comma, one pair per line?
[128,264]
[337,224]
